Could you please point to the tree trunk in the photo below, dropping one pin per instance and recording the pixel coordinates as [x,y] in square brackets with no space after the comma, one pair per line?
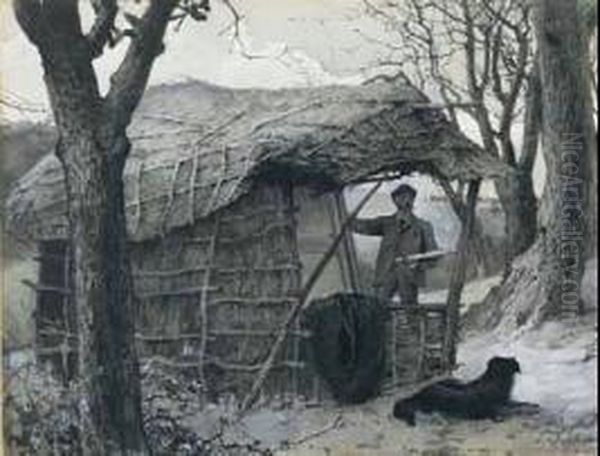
[516,192]
[103,287]
[518,200]
[566,127]
[458,275]
[478,248]
[93,152]
[588,10]
[92,147]
[592,206]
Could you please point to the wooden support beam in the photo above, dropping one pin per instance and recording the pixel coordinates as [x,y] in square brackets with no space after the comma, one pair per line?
[49,256]
[148,274]
[57,349]
[212,250]
[39,288]
[255,333]
[253,367]
[160,338]
[224,365]
[349,247]
[438,307]
[265,300]
[377,178]
[438,106]
[182,292]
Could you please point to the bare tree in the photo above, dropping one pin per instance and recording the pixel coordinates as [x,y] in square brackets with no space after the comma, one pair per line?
[478,56]
[92,148]
[589,17]
[569,144]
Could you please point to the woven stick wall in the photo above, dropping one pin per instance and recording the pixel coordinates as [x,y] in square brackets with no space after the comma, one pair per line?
[415,342]
[212,296]
[55,320]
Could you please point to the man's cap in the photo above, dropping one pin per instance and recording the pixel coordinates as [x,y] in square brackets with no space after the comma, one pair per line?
[404,188]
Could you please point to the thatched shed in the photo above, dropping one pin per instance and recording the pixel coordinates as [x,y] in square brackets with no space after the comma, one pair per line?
[232,196]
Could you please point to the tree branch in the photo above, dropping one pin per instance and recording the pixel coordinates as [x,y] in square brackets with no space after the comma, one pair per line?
[533,120]
[454,197]
[509,101]
[99,34]
[45,22]
[470,49]
[497,87]
[488,31]
[28,14]
[129,81]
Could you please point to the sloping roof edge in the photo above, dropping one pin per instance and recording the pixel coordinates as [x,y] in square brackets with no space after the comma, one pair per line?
[199,147]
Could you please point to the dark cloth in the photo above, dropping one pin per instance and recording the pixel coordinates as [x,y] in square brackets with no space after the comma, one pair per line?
[348,343]
[401,235]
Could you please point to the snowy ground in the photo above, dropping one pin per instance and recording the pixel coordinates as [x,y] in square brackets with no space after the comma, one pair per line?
[559,373]
[558,361]
[559,365]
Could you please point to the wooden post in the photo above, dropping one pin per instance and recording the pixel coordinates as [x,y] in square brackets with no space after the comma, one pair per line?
[457,278]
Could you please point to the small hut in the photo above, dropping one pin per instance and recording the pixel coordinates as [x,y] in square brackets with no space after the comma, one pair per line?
[232,198]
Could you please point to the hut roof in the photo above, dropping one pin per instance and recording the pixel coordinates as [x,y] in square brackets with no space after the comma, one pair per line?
[198,147]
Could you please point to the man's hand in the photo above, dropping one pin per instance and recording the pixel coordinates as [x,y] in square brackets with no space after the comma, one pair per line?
[403,260]
[409,265]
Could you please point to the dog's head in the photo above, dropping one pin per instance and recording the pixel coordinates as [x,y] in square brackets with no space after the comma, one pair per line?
[506,366]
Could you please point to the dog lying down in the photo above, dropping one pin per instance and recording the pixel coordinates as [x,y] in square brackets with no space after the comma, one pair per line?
[485,397]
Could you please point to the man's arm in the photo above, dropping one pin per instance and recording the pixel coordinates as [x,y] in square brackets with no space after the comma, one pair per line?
[370,227]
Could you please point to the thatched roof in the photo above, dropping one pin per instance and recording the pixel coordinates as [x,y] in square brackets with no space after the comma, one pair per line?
[199,147]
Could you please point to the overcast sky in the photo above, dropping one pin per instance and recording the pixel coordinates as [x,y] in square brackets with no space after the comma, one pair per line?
[294,42]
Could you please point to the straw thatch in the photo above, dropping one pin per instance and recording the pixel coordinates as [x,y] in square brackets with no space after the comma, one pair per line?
[199,147]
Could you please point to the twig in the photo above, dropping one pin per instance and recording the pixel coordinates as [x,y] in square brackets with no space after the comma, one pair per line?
[204,298]
[38,288]
[329,427]
[137,203]
[171,197]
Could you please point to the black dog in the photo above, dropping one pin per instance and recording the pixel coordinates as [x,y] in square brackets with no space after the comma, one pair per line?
[479,399]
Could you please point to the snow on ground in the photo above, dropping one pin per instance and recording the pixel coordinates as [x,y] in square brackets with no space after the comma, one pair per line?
[558,373]
[558,360]
[558,363]
[558,370]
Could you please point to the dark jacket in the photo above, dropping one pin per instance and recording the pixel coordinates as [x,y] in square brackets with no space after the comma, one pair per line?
[400,236]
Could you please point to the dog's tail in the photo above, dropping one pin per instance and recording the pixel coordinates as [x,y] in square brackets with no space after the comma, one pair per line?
[405,410]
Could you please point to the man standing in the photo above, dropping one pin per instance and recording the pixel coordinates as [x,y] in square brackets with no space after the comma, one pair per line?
[402,234]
